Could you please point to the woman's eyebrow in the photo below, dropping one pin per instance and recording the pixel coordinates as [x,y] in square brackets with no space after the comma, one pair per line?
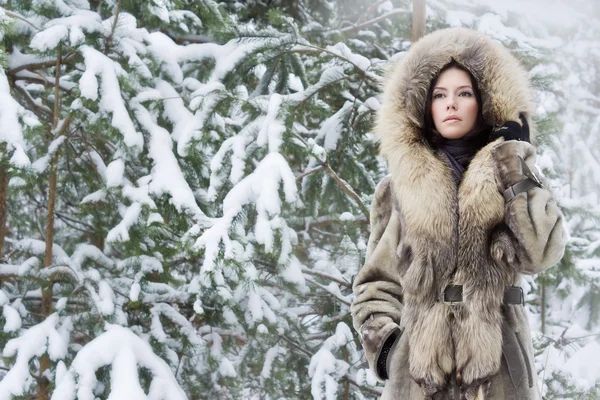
[460,87]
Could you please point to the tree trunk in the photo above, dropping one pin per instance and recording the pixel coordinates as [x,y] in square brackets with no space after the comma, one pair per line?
[3,206]
[43,383]
[418,19]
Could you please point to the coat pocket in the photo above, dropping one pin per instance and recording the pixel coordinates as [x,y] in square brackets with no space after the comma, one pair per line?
[515,355]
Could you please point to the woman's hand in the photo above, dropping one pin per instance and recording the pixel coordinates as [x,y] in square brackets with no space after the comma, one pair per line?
[511,130]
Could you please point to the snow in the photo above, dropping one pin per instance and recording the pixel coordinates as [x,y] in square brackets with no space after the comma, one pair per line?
[460,18]
[328,77]
[552,13]
[49,38]
[492,25]
[346,216]
[260,188]
[270,356]
[293,272]
[61,304]
[185,326]
[12,319]
[166,173]
[10,129]
[111,101]
[38,247]
[114,173]
[140,195]
[186,126]
[325,369]
[124,352]
[226,56]
[41,164]
[344,52]
[583,365]
[34,342]
[120,233]
[255,306]
[272,129]
[226,368]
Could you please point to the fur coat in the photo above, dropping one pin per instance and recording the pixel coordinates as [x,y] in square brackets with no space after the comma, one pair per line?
[427,233]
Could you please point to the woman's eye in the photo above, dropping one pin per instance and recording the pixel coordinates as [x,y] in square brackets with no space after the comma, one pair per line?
[438,96]
[466,94]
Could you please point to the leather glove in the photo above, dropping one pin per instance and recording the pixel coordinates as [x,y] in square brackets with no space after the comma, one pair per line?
[511,130]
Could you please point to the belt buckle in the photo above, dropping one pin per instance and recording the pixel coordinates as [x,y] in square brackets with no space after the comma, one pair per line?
[442,298]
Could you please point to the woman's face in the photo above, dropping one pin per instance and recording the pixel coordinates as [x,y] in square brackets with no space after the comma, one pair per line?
[453,104]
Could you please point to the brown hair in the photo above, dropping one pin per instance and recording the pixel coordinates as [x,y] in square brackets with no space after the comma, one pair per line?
[431,135]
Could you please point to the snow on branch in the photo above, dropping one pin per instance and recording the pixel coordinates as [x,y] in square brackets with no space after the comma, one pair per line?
[325,369]
[166,173]
[34,342]
[10,128]
[111,100]
[260,188]
[125,352]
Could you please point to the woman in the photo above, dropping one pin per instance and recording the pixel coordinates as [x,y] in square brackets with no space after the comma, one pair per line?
[455,224]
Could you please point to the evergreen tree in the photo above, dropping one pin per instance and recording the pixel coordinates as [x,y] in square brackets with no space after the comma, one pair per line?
[185,186]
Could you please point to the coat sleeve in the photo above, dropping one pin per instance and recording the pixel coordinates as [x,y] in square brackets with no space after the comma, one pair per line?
[377,305]
[532,217]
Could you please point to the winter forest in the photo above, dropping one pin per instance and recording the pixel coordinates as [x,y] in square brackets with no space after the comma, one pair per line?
[185,190]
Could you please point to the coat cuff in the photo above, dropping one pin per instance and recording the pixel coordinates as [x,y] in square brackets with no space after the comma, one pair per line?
[375,333]
[512,158]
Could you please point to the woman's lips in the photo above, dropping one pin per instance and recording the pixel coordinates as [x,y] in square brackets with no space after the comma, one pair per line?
[452,119]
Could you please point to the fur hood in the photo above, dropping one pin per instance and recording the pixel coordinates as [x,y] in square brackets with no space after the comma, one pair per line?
[502,81]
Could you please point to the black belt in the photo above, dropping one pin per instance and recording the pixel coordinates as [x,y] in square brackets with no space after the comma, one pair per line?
[454,294]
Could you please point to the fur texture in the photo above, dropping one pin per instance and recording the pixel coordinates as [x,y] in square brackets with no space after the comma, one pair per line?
[427,233]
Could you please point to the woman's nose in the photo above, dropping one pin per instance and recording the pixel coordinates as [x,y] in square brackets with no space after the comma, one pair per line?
[451,103]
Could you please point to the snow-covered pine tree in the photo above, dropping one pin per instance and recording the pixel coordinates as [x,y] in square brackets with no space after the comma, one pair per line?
[172,143]
[214,169]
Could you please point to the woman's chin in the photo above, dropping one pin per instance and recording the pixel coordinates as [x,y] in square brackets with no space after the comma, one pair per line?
[453,134]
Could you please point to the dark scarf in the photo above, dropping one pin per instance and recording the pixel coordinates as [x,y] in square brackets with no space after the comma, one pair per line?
[460,152]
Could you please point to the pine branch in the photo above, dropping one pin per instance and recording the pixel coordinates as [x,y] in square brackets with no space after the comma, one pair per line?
[359,69]
[346,188]
[181,39]
[19,16]
[337,296]
[325,221]
[40,79]
[328,277]
[341,183]
[312,171]
[363,16]
[352,30]
[42,111]
[41,65]
[112,31]
[66,219]
[348,31]
[367,389]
